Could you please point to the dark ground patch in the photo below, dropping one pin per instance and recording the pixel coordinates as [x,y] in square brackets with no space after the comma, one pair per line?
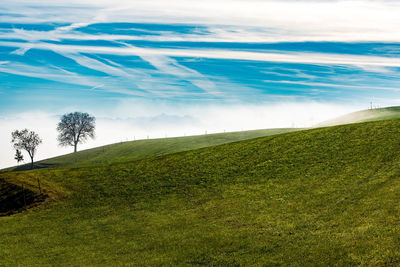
[15,198]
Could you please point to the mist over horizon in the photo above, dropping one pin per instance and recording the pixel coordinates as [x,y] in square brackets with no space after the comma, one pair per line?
[197,121]
[186,67]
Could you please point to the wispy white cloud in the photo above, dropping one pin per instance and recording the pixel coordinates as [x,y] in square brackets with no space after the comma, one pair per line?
[337,85]
[273,20]
[58,74]
[21,51]
[118,79]
[285,57]
[167,65]
[220,21]
[48,73]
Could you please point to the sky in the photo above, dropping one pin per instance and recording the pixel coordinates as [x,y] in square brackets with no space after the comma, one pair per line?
[182,67]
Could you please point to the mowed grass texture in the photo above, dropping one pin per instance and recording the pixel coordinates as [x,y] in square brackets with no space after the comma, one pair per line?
[140,149]
[327,196]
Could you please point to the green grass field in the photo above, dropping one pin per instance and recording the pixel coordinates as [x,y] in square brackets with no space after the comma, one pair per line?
[141,149]
[326,196]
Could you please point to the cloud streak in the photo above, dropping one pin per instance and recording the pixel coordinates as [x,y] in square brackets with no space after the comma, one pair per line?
[342,21]
[294,57]
[198,65]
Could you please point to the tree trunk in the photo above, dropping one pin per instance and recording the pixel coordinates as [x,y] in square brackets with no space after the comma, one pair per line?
[75,145]
[31,163]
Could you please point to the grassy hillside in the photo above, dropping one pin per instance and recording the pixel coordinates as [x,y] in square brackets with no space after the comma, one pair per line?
[365,116]
[134,150]
[14,197]
[327,196]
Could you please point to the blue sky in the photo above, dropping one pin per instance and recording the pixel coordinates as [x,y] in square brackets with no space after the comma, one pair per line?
[164,64]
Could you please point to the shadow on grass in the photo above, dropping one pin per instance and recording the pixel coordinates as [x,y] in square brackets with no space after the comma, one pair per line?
[39,165]
[15,198]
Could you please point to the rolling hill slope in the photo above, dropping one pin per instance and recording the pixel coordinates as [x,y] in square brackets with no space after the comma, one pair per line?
[135,150]
[365,116]
[327,196]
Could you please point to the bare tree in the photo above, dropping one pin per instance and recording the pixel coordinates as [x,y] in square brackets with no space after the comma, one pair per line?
[75,128]
[26,140]
[18,156]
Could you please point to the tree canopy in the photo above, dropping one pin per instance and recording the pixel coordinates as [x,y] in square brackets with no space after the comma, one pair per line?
[75,128]
[26,140]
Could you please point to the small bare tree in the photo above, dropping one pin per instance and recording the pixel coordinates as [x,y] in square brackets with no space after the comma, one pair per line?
[18,156]
[26,140]
[75,128]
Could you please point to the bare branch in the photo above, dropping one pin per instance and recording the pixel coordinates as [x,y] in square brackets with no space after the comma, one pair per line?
[75,128]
